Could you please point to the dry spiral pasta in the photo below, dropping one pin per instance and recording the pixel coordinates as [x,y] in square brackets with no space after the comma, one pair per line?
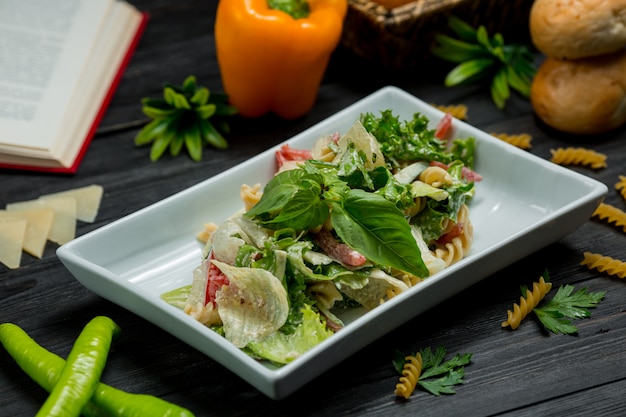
[621,186]
[458,111]
[521,140]
[578,156]
[410,375]
[611,266]
[527,304]
[611,214]
[459,246]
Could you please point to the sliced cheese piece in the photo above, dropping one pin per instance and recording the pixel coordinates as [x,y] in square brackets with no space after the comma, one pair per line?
[39,223]
[88,199]
[63,228]
[12,232]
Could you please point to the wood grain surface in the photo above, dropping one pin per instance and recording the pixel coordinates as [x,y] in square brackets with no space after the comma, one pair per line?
[526,372]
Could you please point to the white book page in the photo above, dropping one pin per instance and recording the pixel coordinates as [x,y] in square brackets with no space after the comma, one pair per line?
[112,47]
[44,47]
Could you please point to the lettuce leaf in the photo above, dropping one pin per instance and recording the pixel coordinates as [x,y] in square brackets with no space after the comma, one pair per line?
[282,348]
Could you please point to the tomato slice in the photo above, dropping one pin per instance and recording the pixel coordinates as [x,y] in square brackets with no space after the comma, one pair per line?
[456,230]
[215,280]
[443,127]
[287,153]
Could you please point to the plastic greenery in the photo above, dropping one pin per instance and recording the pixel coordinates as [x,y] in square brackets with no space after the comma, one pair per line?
[437,377]
[181,119]
[557,314]
[479,57]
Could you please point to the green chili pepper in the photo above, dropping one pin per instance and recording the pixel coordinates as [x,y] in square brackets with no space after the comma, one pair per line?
[83,368]
[45,369]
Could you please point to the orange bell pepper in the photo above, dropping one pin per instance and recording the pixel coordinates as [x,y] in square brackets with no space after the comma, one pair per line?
[271,62]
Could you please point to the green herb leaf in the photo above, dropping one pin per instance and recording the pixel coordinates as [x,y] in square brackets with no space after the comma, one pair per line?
[555,314]
[447,373]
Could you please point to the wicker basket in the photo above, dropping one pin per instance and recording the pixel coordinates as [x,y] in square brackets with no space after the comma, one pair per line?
[401,37]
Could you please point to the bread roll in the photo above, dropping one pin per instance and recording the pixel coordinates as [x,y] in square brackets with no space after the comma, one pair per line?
[586,96]
[572,29]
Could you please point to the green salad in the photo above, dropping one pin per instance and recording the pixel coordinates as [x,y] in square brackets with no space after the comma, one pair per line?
[354,221]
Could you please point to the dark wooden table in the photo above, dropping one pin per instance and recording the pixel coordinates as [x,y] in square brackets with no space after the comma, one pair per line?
[522,372]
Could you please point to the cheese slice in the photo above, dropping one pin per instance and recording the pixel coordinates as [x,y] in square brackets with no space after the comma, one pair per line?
[39,223]
[12,232]
[63,228]
[88,199]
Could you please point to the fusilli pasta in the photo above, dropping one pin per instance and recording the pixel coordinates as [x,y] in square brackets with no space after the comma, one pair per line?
[578,156]
[611,266]
[458,111]
[205,234]
[409,280]
[206,314]
[527,304]
[455,250]
[410,375]
[250,195]
[521,140]
[325,293]
[621,186]
[321,151]
[611,214]
[420,204]
[435,176]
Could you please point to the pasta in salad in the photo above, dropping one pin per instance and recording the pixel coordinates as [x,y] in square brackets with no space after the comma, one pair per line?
[354,221]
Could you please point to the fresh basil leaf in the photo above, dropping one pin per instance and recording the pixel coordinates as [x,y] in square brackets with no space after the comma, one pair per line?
[304,210]
[272,202]
[377,229]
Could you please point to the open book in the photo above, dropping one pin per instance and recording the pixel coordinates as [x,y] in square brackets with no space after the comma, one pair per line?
[60,62]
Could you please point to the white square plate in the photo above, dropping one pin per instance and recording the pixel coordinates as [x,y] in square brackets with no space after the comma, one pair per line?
[523,204]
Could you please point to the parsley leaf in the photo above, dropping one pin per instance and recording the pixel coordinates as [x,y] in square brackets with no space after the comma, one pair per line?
[556,314]
[447,373]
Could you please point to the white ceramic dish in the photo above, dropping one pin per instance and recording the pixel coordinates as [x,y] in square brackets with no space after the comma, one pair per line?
[523,204]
